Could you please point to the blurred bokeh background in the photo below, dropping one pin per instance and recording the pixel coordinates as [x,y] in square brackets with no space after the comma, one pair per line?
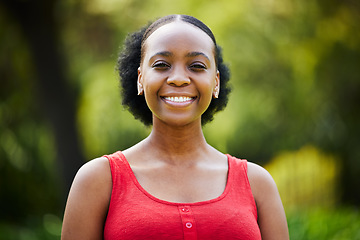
[294,108]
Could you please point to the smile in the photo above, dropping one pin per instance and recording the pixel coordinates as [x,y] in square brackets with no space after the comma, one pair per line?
[179,99]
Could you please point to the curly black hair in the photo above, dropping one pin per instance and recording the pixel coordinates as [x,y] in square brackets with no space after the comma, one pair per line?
[130,59]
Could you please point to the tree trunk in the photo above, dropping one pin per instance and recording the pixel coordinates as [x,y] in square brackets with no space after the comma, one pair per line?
[38,25]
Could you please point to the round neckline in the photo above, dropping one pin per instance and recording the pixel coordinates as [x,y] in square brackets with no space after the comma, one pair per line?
[146,193]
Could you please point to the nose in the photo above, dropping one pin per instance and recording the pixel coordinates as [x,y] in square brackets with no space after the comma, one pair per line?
[178,78]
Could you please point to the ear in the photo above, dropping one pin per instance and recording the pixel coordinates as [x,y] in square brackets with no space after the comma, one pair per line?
[216,90]
[140,87]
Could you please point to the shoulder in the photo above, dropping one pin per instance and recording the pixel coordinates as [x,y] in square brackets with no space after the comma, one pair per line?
[96,171]
[94,177]
[261,182]
[271,215]
[258,174]
[88,201]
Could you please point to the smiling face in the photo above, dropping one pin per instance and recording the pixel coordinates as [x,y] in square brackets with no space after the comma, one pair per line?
[178,74]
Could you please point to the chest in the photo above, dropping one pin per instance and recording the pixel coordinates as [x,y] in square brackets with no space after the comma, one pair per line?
[135,216]
[176,184]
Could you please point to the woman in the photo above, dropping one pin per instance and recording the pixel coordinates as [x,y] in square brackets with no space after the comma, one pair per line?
[173,185]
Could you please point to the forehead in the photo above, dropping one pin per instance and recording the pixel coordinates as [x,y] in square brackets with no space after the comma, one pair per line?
[179,36]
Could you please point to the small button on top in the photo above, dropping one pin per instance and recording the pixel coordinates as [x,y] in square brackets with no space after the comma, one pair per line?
[188,225]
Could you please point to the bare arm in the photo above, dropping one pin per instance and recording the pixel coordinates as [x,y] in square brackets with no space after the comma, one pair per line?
[271,214]
[88,202]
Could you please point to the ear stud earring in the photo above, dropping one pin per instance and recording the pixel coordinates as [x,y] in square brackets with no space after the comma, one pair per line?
[140,89]
[216,92]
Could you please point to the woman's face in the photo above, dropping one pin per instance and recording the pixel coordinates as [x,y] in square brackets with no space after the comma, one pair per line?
[178,74]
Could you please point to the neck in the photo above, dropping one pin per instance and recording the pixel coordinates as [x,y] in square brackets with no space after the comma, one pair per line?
[177,144]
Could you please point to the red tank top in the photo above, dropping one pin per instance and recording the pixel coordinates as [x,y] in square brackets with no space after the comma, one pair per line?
[136,214]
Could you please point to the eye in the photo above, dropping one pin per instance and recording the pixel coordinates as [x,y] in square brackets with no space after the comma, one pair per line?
[161,65]
[197,66]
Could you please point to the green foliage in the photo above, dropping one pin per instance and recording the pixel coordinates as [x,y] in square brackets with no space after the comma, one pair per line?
[47,227]
[339,224]
[306,178]
[295,83]
[27,167]
[106,127]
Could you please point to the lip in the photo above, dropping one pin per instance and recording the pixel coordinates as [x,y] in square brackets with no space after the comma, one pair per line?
[178,100]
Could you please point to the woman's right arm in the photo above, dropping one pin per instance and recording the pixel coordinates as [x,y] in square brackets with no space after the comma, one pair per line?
[88,202]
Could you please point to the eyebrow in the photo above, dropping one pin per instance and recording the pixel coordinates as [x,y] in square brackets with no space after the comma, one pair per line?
[190,54]
[195,54]
[163,53]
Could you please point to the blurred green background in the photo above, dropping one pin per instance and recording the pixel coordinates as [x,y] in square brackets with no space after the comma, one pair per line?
[294,108]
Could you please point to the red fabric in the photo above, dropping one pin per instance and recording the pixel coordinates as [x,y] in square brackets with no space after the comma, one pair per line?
[135,214]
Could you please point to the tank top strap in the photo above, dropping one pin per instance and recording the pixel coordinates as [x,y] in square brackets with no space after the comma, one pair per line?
[118,164]
[238,168]
[122,179]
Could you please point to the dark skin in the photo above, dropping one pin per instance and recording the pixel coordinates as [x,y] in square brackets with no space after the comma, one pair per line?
[178,78]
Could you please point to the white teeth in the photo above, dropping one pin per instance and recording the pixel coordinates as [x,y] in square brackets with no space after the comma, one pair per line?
[178,99]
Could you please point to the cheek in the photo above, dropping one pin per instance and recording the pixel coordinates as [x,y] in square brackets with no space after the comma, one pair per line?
[151,89]
[151,83]
[206,86]
[205,92]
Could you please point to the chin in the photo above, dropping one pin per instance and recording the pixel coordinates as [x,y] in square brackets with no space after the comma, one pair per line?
[180,122]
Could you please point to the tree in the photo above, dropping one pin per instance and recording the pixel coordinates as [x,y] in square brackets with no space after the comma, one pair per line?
[40,28]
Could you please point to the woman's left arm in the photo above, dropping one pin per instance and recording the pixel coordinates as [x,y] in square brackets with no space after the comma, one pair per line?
[271,214]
